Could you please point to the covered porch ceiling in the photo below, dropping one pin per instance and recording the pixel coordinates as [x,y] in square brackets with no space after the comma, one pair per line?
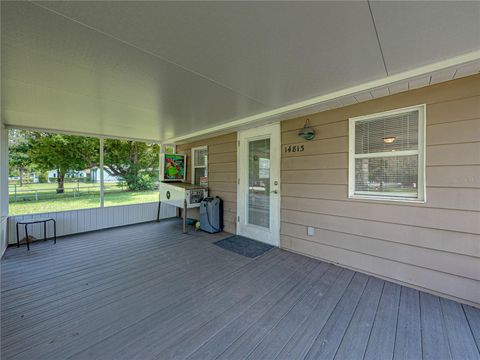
[167,71]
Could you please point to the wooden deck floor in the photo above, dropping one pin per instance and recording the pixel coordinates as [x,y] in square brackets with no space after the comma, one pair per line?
[149,292]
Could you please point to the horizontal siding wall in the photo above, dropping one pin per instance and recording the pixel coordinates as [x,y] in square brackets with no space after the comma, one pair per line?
[434,246]
[222,174]
[77,221]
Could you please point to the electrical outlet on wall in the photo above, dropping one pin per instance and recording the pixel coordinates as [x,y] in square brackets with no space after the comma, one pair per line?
[310,231]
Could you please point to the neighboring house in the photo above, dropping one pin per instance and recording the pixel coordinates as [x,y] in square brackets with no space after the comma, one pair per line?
[93,174]
[71,174]
[107,175]
[29,178]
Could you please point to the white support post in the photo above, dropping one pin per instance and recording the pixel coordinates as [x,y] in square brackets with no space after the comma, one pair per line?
[102,193]
[3,171]
[3,188]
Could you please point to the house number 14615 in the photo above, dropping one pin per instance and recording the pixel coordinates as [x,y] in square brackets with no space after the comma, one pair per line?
[294,148]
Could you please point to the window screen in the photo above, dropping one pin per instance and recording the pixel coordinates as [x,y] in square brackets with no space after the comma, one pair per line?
[386,155]
[199,164]
[372,136]
[200,157]
[394,176]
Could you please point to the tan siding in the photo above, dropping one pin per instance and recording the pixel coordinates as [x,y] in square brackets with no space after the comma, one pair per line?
[222,173]
[316,191]
[229,157]
[453,132]
[224,186]
[222,176]
[462,265]
[433,245]
[327,161]
[454,154]
[454,176]
[461,198]
[324,176]
[434,239]
[459,109]
[453,220]
[438,197]
[222,168]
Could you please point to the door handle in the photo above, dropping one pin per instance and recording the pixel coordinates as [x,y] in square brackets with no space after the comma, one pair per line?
[274,191]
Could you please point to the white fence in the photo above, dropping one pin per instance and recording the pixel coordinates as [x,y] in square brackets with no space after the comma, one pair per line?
[77,221]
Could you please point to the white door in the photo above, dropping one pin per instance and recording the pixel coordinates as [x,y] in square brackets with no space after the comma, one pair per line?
[258,184]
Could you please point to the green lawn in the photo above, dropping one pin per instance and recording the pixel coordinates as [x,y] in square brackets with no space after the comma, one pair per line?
[41,198]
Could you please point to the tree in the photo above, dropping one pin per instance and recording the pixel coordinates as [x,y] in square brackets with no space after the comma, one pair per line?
[135,162]
[63,152]
[18,149]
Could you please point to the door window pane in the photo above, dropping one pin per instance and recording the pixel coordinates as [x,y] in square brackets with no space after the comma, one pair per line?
[259,183]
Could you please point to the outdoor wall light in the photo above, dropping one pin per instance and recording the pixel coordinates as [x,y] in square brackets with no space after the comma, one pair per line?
[307,132]
[389,139]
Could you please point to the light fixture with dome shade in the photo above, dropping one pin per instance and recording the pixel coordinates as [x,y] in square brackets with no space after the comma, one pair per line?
[307,132]
[389,139]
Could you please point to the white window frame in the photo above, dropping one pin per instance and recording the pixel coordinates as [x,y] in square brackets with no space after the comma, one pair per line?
[192,176]
[421,185]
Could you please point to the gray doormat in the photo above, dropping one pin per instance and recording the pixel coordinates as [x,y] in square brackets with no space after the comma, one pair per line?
[244,246]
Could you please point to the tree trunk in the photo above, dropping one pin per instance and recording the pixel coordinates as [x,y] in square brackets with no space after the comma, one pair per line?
[60,182]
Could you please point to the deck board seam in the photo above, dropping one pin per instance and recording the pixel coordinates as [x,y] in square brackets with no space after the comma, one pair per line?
[374,320]
[470,328]
[283,316]
[351,317]
[330,315]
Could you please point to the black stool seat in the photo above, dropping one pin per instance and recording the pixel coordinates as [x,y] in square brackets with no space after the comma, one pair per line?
[27,222]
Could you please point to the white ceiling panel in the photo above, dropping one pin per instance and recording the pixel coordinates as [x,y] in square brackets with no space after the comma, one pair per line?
[59,74]
[416,33]
[274,52]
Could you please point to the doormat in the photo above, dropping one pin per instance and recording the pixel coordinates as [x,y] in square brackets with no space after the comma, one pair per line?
[244,246]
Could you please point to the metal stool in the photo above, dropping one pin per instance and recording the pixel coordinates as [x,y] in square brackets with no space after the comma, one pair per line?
[37,221]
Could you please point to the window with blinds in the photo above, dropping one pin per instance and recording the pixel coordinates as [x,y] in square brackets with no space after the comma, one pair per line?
[199,164]
[386,155]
